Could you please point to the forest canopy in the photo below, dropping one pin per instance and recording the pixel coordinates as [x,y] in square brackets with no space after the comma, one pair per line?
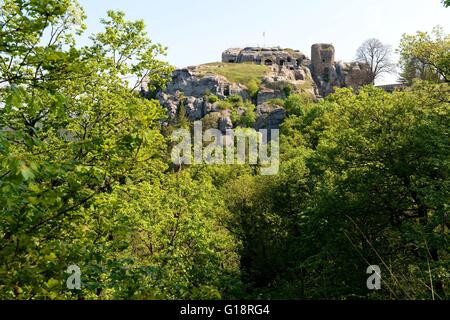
[86,178]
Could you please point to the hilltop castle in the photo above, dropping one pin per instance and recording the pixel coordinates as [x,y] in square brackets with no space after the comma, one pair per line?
[285,72]
[326,72]
[267,56]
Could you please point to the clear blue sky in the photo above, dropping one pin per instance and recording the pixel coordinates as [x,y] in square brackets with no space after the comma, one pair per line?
[197,31]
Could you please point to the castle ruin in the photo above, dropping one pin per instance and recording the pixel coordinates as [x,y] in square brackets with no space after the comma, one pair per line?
[325,71]
[288,72]
[266,56]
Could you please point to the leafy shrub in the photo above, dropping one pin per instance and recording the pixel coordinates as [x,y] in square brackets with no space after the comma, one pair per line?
[287,90]
[276,102]
[236,101]
[295,104]
[211,121]
[253,88]
[212,98]
[248,119]
[224,105]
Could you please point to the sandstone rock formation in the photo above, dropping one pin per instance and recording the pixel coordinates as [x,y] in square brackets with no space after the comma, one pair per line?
[328,74]
[269,116]
[265,56]
[193,84]
[286,71]
[225,122]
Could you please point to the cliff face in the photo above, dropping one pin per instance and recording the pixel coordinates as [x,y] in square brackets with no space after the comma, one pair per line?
[295,65]
[259,75]
[328,73]
[266,56]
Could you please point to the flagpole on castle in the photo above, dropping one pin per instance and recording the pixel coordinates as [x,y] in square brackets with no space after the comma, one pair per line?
[264,39]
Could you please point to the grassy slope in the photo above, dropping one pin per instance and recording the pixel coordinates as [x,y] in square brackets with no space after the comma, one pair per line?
[235,72]
[245,72]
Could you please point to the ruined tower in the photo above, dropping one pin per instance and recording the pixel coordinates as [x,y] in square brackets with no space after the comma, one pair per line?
[322,58]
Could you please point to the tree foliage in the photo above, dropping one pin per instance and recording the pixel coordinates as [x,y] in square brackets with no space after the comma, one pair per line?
[425,56]
[363,181]
[86,180]
[76,141]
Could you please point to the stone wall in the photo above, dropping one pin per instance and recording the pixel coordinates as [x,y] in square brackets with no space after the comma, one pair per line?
[322,58]
[265,56]
[287,69]
[323,68]
[327,73]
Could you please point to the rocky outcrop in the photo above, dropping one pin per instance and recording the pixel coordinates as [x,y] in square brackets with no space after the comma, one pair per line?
[356,74]
[169,102]
[231,55]
[267,94]
[266,56]
[269,116]
[190,85]
[287,71]
[328,74]
[280,82]
[225,122]
[196,108]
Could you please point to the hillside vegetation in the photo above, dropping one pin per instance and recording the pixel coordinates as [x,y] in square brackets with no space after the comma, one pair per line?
[87,180]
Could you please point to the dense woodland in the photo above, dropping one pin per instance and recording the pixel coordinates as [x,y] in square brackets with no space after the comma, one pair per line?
[86,178]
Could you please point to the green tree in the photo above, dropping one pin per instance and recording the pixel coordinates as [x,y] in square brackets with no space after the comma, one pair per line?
[236,101]
[385,166]
[425,56]
[413,68]
[363,180]
[84,177]
[166,232]
[248,118]
[127,50]
[253,88]
[295,104]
